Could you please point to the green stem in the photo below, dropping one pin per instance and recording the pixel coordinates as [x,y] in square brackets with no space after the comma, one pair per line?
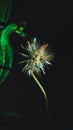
[42,89]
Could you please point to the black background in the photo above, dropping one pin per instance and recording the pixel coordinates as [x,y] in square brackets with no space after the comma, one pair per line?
[51,22]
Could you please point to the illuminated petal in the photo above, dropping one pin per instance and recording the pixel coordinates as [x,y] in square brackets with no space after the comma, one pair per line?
[48,62]
[23,54]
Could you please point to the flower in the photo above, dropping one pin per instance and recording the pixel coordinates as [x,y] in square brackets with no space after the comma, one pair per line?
[36,57]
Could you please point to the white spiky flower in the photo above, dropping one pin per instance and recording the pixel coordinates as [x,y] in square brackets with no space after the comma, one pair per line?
[36,57]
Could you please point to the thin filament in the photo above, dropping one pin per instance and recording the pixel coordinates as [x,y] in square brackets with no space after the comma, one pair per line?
[42,89]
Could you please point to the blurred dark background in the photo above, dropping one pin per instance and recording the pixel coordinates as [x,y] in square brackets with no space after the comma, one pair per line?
[51,22]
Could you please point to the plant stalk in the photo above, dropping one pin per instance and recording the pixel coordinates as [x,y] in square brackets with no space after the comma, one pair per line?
[42,89]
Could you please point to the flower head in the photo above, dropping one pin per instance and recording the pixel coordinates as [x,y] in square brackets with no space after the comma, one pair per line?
[36,57]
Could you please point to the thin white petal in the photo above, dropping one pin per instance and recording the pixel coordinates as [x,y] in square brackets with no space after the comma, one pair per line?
[25,67]
[22,47]
[23,54]
[48,62]
[29,72]
[42,68]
